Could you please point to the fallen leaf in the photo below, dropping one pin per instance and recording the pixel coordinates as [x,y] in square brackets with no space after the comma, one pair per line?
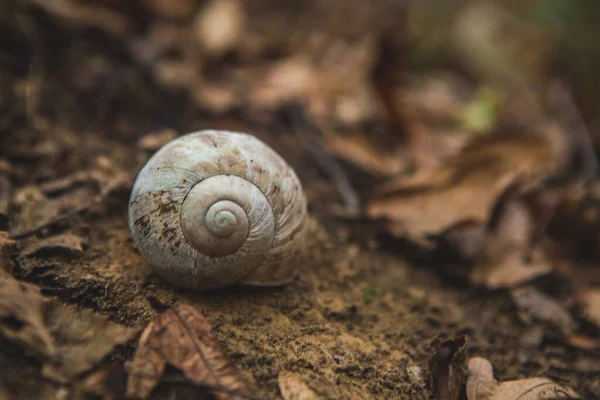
[36,211]
[66,243]
[22,317]
[39,207]
[181,337]
[82,338]
[67,341]
[467,186]
[430,111]
[447,367]
[481,385]
[502,262]
[369,154]
[464,241]
[511,270]
[292,387]
[532,302]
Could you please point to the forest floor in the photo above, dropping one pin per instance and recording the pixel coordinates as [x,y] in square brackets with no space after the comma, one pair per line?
[357,323]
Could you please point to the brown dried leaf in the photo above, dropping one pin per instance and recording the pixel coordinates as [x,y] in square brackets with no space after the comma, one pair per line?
[502,263]
[292,387]
[468,185]
[182,337]
[366,153]
[67,341]
[51,202]
[82,338]
[481,385]
[511,271]
[430,110]
[37,211]
[542,307]
[66,243]
[22,312]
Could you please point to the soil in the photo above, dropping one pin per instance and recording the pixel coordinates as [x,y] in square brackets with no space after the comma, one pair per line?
[358,321]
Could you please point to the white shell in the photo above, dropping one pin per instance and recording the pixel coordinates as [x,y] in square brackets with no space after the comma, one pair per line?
[258,226]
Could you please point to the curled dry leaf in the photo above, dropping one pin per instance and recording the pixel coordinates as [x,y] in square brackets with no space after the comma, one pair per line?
[66,243]
[67,341]
[82,338]
[22,313]
[466,187]
[38,211]
[181,337]
[502,262]
[367,153]
[481,385]
[44,205]
[292,387]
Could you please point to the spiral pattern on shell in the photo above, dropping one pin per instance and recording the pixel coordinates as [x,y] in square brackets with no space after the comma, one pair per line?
[216,208]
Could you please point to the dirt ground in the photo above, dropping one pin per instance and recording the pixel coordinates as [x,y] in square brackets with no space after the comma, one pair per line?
[358,321]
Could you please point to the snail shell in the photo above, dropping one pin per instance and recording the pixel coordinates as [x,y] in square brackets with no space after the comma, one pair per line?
[215,208]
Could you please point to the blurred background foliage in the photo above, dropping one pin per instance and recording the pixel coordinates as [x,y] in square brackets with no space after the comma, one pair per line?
[510,41]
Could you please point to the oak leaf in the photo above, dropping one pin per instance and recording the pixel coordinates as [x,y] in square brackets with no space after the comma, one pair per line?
[467,186]
[22,312]
[181,337]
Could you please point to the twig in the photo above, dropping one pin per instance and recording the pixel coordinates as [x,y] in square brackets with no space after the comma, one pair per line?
[307,132]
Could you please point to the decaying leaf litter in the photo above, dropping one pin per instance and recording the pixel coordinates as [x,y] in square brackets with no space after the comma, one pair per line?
[492,164]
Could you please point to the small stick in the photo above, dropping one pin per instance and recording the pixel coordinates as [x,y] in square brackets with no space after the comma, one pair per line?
[307,132]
